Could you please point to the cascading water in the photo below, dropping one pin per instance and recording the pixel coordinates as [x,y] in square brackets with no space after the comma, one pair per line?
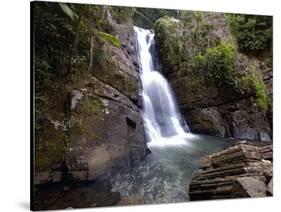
[161,117]
[164,175]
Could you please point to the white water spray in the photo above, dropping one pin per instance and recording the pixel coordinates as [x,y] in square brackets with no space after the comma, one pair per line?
[162,120]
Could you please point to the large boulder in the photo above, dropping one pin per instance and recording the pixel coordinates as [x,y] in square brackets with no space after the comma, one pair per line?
[208,120]
[106,132]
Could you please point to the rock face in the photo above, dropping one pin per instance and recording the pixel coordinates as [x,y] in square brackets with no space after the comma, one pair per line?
[239,171]
[91,124]
[112,132]
[220,90]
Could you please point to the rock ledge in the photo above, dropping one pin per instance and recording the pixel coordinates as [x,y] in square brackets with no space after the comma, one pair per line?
[239,171]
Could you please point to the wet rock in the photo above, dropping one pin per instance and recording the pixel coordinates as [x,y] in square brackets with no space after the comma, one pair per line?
[238,171]
[265,137]
[208,120]
[241,126]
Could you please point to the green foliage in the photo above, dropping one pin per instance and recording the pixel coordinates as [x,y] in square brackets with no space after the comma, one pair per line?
[182,39]
[122,14]
[91,106]
[197,24]
[169,34]
[190,18]
[218,63]
[146,17]
[111,38]
[253,32]
[252,83]
[200,37]
[50,145]
[54,35]
[63,34]
[262,97]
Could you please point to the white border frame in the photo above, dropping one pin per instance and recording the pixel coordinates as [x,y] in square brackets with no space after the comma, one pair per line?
[15,102]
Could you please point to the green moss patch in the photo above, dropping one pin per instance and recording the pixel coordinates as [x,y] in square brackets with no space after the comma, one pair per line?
[50,146]
[170,39]
[87,121]
[115,73]
[251,83]
[90,106]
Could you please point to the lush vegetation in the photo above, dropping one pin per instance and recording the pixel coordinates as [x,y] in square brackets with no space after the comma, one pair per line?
[253,32]
[195,50]
[63,37]
[218,63]
[253,83]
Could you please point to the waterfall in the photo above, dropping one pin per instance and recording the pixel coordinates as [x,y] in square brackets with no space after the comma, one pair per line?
[162,121]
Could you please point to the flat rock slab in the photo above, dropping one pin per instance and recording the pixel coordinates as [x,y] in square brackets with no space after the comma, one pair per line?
[252,186]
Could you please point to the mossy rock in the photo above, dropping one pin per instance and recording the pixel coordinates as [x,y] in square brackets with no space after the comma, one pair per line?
[117,71]
[50,146]
[180,41]
[169,34]
[90,106]
[87,120]
[252,83]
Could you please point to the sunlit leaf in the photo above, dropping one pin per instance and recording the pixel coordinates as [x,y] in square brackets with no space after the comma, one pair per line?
[69,12]
[111,38]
